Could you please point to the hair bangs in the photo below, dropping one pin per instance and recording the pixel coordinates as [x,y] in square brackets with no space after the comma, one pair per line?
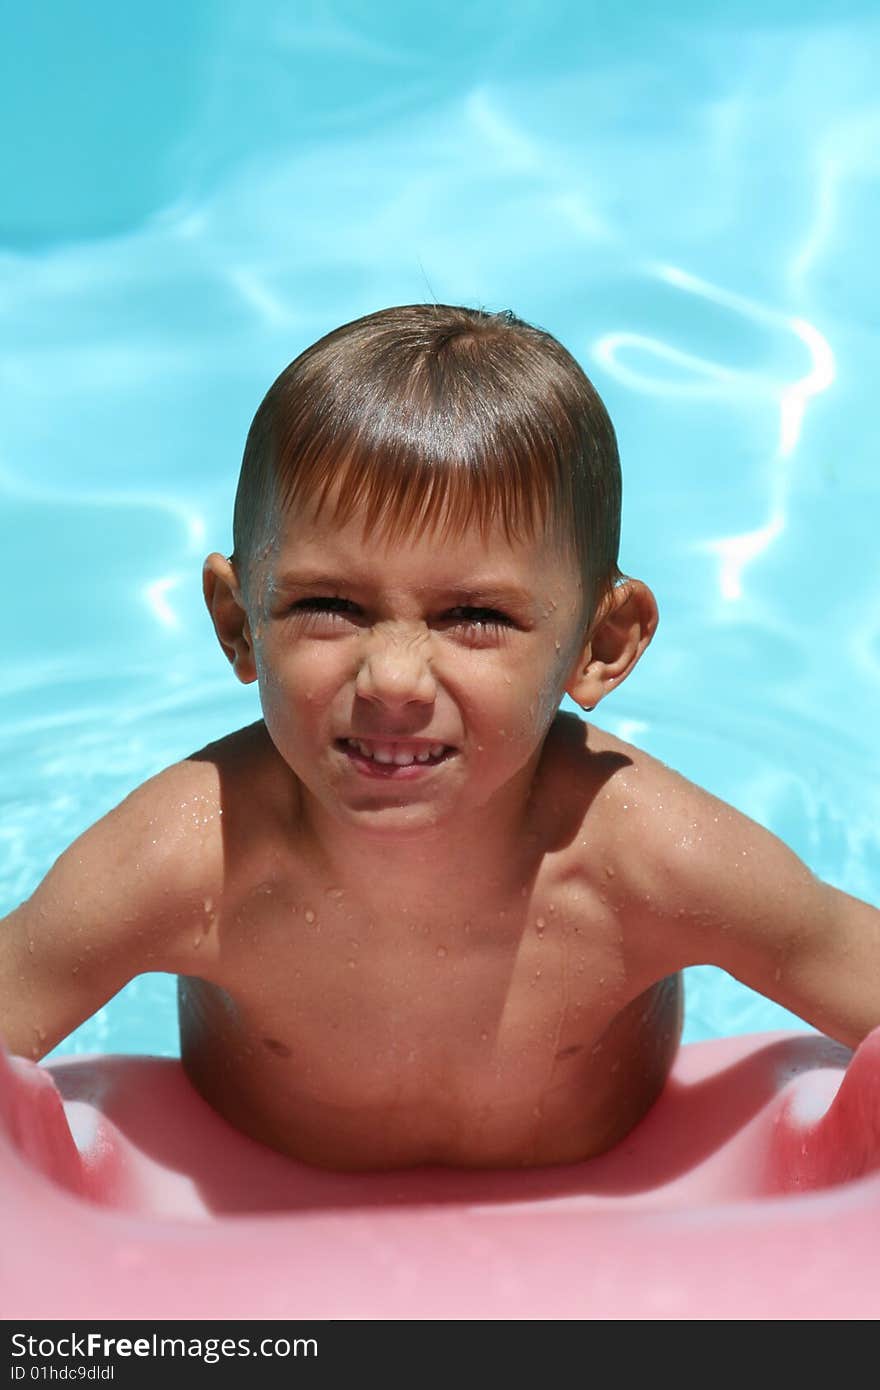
[432,479]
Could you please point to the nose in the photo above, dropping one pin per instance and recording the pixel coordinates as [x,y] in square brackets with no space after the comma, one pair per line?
[396,670]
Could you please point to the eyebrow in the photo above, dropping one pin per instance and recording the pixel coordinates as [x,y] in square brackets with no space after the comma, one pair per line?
[488,592]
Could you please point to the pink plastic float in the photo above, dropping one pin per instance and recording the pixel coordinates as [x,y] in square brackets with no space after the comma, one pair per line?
[751,1190]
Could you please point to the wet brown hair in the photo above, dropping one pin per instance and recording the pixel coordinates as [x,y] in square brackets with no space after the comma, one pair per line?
[436,416]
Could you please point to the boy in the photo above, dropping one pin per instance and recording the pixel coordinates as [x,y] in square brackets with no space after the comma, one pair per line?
[419,915]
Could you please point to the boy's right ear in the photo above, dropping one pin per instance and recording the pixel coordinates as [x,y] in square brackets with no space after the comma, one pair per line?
[225,604]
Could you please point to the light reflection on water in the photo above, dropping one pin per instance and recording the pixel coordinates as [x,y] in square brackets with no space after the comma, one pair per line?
[686,202]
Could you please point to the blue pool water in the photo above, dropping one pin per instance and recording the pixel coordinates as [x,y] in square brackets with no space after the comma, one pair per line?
[685,195]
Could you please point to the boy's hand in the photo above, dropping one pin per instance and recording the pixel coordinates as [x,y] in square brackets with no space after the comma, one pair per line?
[123,899]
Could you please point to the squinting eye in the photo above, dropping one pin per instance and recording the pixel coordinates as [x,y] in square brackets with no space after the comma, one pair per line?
[488,619]
[321,605]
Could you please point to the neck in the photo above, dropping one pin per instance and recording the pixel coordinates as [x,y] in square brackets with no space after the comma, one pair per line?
[481,854]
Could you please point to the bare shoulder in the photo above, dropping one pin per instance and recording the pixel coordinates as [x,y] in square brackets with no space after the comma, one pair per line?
[208,809]
[665,855]
[145,869]
[142,863]
[133,893]
[624,799]
[253,790]
[691,879]
[609,787]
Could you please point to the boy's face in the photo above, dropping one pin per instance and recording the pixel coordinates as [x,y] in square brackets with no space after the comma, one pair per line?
[467,643]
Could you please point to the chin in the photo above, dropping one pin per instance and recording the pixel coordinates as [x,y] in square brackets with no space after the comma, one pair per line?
[393,822]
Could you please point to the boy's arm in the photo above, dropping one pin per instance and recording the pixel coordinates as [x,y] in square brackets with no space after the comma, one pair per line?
[729,893]
[123,899]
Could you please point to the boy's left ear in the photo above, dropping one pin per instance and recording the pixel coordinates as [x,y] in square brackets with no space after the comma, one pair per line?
[621,630]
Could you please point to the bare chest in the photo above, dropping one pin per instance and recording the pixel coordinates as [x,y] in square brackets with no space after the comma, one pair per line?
[419,985]
[432,1029]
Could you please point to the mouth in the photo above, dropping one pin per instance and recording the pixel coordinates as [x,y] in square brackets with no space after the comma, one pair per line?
[396,758]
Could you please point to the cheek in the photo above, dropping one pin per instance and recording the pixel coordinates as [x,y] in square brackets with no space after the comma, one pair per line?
[546,691]
[290,681]
[515,705]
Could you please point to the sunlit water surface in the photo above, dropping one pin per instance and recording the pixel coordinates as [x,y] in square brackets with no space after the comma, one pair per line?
[688,202]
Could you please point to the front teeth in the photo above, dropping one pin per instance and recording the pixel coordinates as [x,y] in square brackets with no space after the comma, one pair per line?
[399,757]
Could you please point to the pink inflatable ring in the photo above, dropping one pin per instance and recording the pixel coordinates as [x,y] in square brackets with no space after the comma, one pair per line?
[751,1190]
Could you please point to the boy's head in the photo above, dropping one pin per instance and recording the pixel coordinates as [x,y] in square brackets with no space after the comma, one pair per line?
[434,417]
[426,532]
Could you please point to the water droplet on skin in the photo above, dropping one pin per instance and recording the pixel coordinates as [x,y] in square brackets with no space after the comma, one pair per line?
[335,892]
[310,916]
[198,941]
[352,964]
[484,1035]
[609,872]
[539,926]
[30,946]
[442,951]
